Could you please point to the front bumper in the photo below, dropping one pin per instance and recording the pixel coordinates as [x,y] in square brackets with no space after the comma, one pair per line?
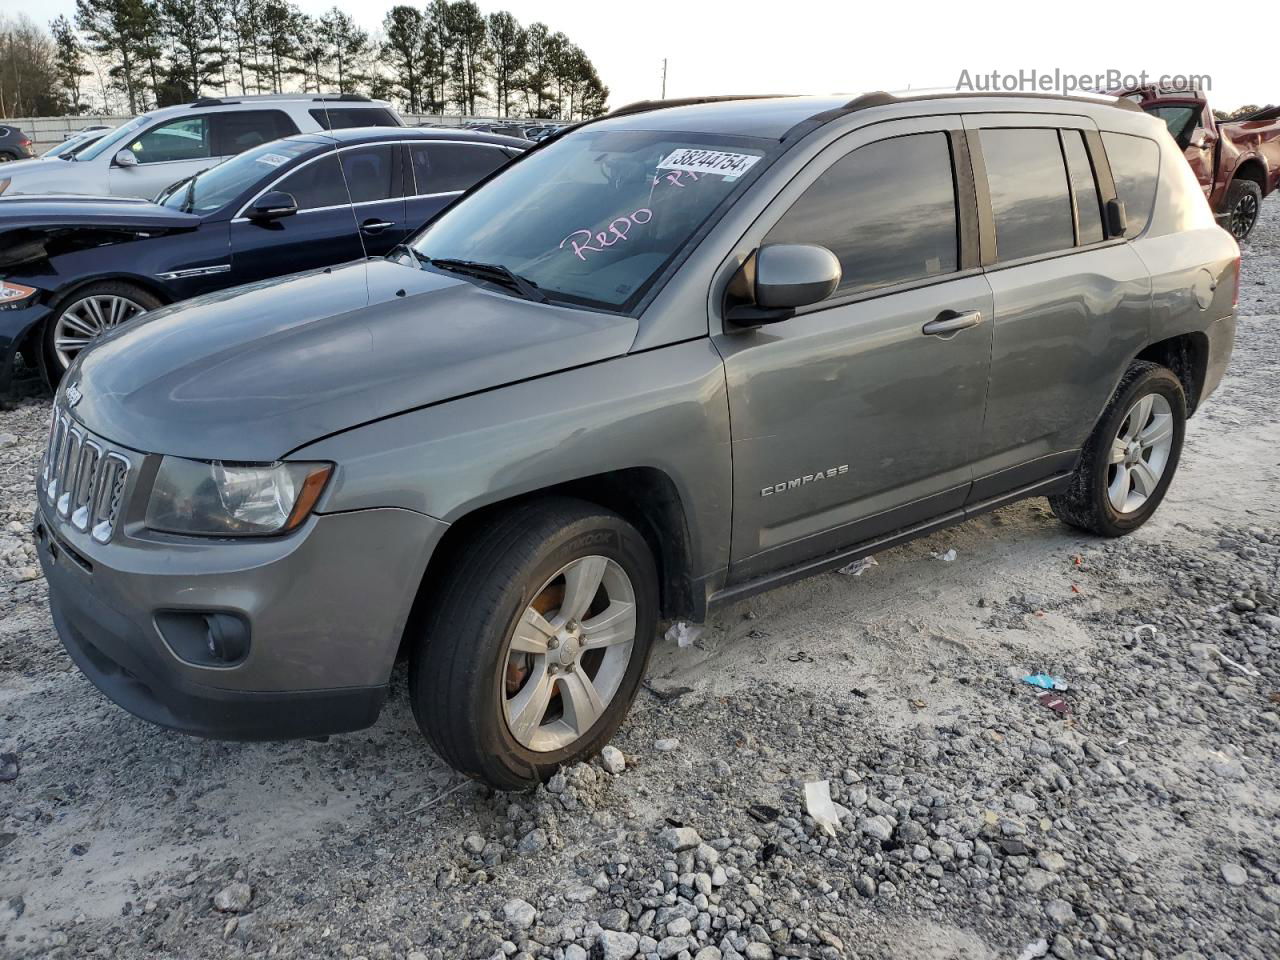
[325,608]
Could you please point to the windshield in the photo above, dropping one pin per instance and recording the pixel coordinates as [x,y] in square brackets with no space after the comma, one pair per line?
[596,216]
[214,188]
[113,137]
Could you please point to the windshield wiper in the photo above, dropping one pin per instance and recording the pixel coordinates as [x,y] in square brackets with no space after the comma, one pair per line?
[493,272]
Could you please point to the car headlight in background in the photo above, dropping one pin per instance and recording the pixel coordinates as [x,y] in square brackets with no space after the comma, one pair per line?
[217,499]
[15,294]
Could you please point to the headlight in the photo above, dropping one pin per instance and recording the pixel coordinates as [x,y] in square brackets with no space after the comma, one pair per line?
[15,294]
[217,499]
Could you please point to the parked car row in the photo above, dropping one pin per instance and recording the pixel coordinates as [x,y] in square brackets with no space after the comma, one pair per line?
[654,365]
[75,266]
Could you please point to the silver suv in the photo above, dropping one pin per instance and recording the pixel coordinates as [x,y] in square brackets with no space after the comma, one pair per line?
[659,363]
[142,157]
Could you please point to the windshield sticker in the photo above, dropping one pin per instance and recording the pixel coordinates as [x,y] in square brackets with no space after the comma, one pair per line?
[727,165]
[584,240]
[272,159]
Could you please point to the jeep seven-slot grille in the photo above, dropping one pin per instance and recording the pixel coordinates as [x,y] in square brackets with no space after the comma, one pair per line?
[83,481]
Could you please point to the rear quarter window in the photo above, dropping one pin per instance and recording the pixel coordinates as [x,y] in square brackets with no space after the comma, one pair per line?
[343,118]
[1135,166]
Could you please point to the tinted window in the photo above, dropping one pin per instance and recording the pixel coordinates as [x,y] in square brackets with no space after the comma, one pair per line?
[318,184]
[341,118]
[219,185]
[369,172]
[236,132]
[1083,187]
[446,167]
[887,210]
[1181,121]
[1029,198]
[185,139]
[1135,162]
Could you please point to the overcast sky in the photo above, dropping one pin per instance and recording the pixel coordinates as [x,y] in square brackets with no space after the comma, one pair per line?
[808,46]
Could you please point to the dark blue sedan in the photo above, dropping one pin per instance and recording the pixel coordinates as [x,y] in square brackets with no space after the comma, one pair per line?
[72,267]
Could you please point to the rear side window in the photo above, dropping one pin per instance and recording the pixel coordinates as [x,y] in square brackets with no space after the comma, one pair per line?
[317,184]
[1084,188]
[343,118]
[370,172]
[1029,194]
[887,211]
[242,130]
[449,167]
[1135,165]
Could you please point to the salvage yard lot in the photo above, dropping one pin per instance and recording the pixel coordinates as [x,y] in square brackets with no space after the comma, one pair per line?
[1145,824]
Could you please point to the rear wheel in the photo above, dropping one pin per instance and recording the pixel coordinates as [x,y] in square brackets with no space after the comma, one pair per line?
[86,314]
[7,157]
[1243,204]
[1129,461]
[535,642]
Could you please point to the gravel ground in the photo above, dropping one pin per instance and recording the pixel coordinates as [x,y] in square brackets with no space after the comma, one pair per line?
[975,821]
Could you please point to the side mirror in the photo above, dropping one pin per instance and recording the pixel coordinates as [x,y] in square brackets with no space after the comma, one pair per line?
[1117,221]
[782,277]
[125,158]
[273,206]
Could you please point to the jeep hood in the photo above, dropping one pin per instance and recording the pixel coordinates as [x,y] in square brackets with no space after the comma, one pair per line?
[256,372]
[28,225]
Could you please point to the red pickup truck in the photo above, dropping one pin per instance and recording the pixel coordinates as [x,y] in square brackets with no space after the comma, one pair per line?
[1236,162]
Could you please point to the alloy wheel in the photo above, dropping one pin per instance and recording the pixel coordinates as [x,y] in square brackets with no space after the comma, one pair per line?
[1139,453]
[1244,215]
[568,655]
[87,319]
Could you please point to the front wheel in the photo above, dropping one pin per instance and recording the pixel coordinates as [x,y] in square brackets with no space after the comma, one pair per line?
[1243,203]
[83,315]
[535,642]
[1130,459]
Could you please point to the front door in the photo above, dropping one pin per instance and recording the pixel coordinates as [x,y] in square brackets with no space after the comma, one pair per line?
[165,154]
[322,233]
[850,420]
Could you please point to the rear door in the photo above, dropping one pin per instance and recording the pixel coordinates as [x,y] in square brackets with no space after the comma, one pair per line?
[238,130]
[323,232]
[849,420]
[1071,304]
[373,173]
[441,170]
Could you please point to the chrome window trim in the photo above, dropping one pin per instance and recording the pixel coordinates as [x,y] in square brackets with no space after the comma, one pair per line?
[241,218]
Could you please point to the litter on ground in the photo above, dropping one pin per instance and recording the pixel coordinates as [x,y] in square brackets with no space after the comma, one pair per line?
[858,567]
[684,634]
[819,805]
[1045,682]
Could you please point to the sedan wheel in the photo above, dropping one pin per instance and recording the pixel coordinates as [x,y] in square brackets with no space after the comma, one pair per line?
[83,321]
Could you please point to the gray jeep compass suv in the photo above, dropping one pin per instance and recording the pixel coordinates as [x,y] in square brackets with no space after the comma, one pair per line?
[668,359]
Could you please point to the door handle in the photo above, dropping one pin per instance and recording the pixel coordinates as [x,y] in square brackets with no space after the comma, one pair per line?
[948,322]
[375,226]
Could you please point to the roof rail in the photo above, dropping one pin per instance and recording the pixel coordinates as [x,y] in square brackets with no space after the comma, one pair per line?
[644,106]
[212,102]
[343,97]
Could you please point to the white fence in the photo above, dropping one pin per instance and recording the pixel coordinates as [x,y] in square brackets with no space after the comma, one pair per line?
[48,132]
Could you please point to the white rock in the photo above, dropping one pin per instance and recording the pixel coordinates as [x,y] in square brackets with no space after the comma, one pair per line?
[233,898]
[666,745]
[679,838]
[617,946]
[519,913]
[612,759]
[1234,874]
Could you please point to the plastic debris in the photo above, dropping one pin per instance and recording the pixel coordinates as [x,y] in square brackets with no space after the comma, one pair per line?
[946,557]
[819,805]
[858,567]
[1246,670]
[800,657]
[1147,628]
[1037,948]
[1055,703]
[684,634]
[1045,682]
[763,813]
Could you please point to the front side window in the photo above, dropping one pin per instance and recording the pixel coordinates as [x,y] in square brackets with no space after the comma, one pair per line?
[887,211]
[217,186]
[317,184]
[115,140]
[241,130]
[595,217]
[370,172]
[1135,165]
[1029,192]
[1181,119]
[185,139]
[451,167]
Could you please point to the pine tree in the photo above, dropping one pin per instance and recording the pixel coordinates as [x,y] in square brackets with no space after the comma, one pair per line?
[69,61]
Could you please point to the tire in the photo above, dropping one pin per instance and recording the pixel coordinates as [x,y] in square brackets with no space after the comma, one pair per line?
[7,157]
[56,360]
[1242,207]
[1090,502]
[465,684]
